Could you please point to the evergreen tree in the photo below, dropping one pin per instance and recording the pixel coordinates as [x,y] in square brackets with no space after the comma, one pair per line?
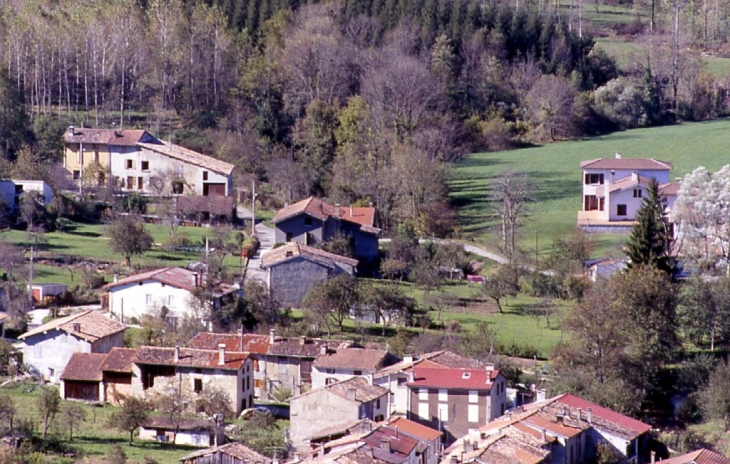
[649,241]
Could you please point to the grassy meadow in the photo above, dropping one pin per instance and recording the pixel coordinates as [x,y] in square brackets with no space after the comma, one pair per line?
[555,169]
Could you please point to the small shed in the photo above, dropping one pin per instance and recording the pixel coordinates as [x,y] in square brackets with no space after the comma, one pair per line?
[230,453]
[192,432]
[81,379]
[45,292]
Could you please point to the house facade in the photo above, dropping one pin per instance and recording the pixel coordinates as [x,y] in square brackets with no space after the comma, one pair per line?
[174,288]
[455,401]
[293,269]
[337,403]
[334,364]
[47,349]
[190,432]
[196,370]
[12,190]
[312,221]
[134,160]
[614,188]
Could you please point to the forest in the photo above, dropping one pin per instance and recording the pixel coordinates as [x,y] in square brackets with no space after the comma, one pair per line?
[343,99]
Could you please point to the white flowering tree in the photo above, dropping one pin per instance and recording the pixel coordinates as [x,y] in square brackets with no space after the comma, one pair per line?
[702,212]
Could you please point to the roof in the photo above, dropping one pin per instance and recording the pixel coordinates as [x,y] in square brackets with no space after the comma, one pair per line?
[92,326]
[175,276]
[450,359]
[671,189]
[355,358]
[119,360]
[84,367]
[251,343]
[189,357]
[539,422]
[216,205]
[701,456]
[164,422]
[469,379]
[415,429]
[365,216]
[630,181]
[125,137]
[236,450]
[631,164]
[189,156]
[606,414]
[400,444]
[293,250]
[364,392]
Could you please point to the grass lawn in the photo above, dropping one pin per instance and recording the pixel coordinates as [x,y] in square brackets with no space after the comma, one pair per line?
[556,170]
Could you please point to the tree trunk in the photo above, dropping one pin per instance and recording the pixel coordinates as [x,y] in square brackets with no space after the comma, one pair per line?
[128,261]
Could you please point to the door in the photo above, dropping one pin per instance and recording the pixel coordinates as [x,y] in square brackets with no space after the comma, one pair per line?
[214,190]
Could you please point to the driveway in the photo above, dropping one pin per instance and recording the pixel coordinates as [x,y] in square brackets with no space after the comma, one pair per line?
[267,239]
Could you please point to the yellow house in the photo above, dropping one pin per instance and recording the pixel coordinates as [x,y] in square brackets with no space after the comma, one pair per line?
[92,149]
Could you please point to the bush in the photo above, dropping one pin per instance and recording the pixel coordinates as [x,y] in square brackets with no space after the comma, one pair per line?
[539,285]
[518,351]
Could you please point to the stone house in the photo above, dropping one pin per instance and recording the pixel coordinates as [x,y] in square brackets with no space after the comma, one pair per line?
[313,221]
[190,432]
[337,403]
[230,453]
[174,288]
[293,269]
[47,349]
[154,367]
[564,429]
[396,376]
[278,362]
[341,363]
[134,160]
[116,373]
[455,401]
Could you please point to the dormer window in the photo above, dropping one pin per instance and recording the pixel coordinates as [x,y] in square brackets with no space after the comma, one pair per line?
[466,375]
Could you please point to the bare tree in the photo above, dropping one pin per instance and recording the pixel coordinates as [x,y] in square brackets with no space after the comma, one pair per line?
[510,194]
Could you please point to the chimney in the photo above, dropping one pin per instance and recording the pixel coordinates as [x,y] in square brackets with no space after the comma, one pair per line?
[408,358]
[176,359]
[350,210]
[323,350]
[195,279]
[653,457]
[302,341]
[467,445]
[580,414]
[116,278]
[77,327]
[337,210]
[489,367]
[589,414]
[221,354]
[272,336]
[544,435]
[286,205]
[618,155]
[634,176]
[411,376]
[72,130]
[385,444]
[351,394]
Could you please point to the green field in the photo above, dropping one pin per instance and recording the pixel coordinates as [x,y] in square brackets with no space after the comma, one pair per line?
[555,168]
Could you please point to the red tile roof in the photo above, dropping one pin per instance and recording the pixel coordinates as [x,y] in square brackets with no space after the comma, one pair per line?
[84,367]
[400,444]
[112,137]
[175,276]
[470,379]
[701,456]
[414,428]
[293,250]
[605,414]
[92,325]
[539,422]
[630,164]
[252,343]
[119,360]
[189,357]
[364,392]
[321,210]
[189,156]
[355,358]
[670,189]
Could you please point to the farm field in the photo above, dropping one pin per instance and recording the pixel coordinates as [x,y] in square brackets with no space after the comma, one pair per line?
[555,169]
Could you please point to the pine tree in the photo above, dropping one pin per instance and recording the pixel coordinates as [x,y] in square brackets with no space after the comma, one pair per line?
[648,244]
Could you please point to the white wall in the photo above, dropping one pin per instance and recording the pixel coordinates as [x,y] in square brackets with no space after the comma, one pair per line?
[130,300]
[662,177]
[184,437]
[320,375]
[398,394]
[625,197]
[51,351]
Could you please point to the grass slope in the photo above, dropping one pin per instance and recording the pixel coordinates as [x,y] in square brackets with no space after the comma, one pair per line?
[556,170]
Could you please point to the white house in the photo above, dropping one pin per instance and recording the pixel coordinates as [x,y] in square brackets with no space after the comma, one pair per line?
[343,363]
[172,287]
[190,432]
[11,190]
[614,188]
[47,349]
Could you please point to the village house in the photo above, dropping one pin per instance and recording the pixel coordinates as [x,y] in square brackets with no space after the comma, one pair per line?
[337,403]
[614,189]
[12,190]
[701,456]
[280,364]
[190,432]
[134,160]
[341,363]
[98,377]
[174,288]
[427,435]
[196,370]
[47,349]
[116,374]
[396,376]
[455,401]
[293,269]
[230,453]
[564,429]
[312,221]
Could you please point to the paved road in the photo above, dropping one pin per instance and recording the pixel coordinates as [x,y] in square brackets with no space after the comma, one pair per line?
[467,246]
[267,238]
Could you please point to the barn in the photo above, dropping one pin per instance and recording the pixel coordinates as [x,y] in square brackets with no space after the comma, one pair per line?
[81,379]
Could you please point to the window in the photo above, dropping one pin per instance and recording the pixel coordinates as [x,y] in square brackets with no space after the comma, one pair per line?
[148,299]
[145,165]
[258,383]
[473,396]
[357,372]
[423,393]
[198,385]
[637,193]
[620,210]
[256,365]
[130,164]
[76,174]
[330,380]
[170,301]
[379,418]
[243,403]
[289,236]
[444,412]
[140,183]
[51,371]
[377,403]
[177,188]
[130,182]
[473,413]
[423,411]
[592,179]
[96,157]
[329,370]
[443,394]
[282,366]
[307,221]
[205,175]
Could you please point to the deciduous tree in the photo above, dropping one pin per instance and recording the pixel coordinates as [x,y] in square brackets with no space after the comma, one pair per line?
[510,194]
[130,416]
[48,404]
[71,414]
[129,237]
